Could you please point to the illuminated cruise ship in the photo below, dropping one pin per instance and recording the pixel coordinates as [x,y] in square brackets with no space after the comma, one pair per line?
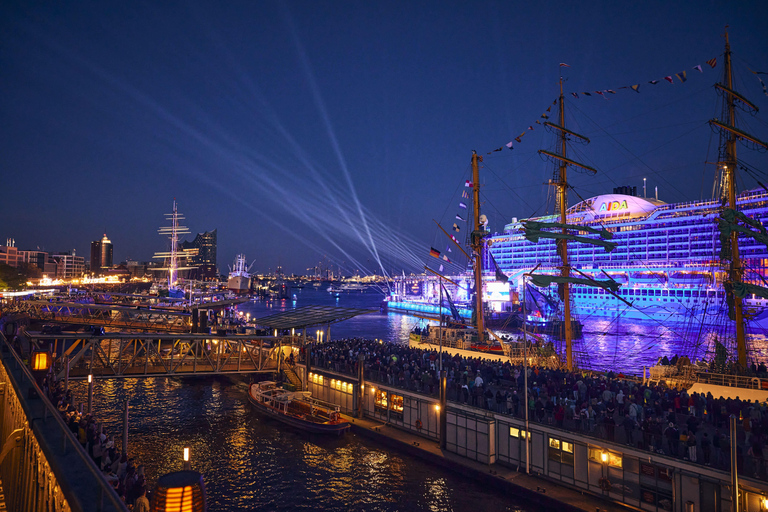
[667,258]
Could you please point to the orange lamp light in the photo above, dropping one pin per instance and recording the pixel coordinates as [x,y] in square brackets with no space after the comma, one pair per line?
[182,491]
[40,361]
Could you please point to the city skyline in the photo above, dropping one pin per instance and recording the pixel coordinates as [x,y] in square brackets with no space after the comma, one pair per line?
[302,132]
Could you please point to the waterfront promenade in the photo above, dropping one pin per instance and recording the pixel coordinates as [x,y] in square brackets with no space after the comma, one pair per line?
[609,407]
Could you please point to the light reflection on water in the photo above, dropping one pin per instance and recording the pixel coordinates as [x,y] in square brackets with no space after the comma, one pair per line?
[608,343]
[253,463]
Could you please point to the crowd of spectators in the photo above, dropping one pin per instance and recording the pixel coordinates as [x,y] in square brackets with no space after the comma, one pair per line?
[119,469]
[610,406]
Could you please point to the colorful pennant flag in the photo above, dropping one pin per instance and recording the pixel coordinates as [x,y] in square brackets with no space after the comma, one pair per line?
[459,217]
[756,73]
[509,145]
[468,183]
[434,252]
[681,76]
[462,205]
[456,227]
[575,95]
[465,194]
[669,79]
[441,268]
[698,68]
[564,65]
[446,258]
[653,82]
[635,88]
[712,62]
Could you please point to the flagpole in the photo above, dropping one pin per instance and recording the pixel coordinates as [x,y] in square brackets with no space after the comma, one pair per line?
[440,331]
[525,380]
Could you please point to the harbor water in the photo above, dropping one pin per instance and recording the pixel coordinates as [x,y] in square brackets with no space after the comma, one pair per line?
[253,463]
[617,344]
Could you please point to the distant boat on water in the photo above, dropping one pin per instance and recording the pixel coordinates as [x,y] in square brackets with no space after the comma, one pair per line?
[239,277]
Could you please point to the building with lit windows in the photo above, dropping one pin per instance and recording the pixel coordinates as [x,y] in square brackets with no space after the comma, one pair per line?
[202,250]
[101,255]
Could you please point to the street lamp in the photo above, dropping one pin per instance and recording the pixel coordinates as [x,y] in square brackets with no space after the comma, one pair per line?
[187,465]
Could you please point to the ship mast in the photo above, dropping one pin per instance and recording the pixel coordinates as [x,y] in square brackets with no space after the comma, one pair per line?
[565,269]
[477,247]
[727,166]
[173,232]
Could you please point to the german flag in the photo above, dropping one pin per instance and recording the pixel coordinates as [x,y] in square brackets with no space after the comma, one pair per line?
[434,252]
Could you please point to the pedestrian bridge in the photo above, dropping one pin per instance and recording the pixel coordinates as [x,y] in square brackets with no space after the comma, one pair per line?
[77,355]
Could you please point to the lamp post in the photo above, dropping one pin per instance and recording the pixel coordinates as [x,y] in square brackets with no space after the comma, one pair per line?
[39,363]
[90,393]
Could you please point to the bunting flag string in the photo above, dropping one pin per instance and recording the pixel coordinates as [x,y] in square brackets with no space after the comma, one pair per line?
[531,128]
[682,76]
[757,73]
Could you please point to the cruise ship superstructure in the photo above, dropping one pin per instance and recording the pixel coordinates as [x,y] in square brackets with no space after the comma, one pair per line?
[667,258]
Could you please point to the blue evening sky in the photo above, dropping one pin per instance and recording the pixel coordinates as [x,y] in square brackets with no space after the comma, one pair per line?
[336,131]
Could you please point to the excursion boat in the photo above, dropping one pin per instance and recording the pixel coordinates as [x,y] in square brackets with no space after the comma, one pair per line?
[297,408]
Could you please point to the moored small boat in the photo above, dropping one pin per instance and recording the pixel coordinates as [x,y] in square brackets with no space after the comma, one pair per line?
[297,409]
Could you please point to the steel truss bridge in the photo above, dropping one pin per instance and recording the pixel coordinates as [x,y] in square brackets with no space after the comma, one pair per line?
[154,355]
[147,318]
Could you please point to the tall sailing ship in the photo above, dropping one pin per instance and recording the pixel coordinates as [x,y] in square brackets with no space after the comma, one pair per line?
[700,262]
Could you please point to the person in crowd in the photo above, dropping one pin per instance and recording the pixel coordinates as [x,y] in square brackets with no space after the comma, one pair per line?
[142,503]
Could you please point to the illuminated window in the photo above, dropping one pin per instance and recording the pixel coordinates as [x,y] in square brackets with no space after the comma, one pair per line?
[380,399]
[612,459]
[516,432]
[397,403]
[561,451]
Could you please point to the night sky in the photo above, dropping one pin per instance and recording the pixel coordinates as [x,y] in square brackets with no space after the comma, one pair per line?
[306,131]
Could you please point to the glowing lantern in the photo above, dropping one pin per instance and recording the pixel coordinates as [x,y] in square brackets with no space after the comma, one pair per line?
[182,491]
[40,361]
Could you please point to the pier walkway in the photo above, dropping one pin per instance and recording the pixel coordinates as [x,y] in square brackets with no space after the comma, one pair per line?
[153,355]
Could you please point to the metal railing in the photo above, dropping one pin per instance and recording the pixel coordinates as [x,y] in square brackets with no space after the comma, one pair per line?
[43,466]
[144,355]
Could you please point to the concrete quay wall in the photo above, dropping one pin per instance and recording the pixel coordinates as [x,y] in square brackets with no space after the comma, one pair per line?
[609,471]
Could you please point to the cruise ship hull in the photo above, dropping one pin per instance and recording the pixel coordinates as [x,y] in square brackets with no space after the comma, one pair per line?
[667,261]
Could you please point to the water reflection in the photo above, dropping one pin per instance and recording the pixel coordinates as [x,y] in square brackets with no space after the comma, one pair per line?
[618,343]
[254,463]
